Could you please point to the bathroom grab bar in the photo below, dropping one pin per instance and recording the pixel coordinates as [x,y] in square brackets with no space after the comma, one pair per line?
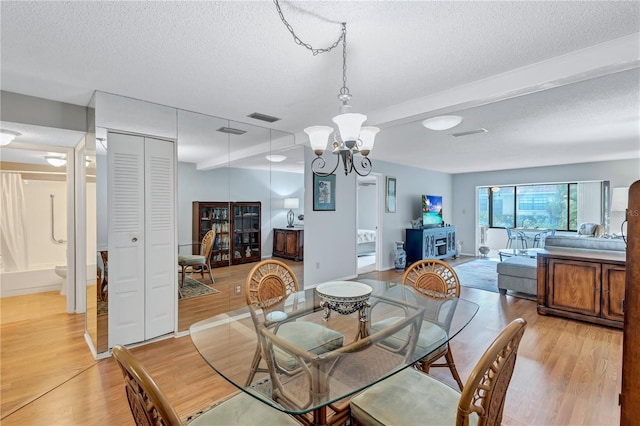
[53,238]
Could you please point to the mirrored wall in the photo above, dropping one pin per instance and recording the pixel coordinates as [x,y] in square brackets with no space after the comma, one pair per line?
[234,191]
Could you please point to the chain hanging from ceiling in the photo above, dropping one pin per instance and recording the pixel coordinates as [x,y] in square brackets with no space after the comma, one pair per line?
[351,138]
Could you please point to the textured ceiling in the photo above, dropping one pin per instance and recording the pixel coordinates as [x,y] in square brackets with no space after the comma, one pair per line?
[232,58]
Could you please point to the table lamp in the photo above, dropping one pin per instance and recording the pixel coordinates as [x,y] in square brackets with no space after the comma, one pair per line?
[290,203]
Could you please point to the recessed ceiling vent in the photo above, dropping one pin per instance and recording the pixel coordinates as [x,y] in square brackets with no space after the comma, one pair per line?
[231,130]
[469,132]
[263,117]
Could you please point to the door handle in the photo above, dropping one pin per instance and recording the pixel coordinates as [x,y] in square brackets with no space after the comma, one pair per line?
[134,239]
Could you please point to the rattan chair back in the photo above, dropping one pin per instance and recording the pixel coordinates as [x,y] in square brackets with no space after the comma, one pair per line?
[486,388]
[207,245]
[148,404]
[270,282]
[432,277]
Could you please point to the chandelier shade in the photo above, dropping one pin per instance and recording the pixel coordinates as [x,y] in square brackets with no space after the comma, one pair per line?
[318,137]
[367,137]
[349,125]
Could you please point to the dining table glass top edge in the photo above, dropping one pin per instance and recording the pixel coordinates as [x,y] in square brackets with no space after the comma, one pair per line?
[315,349]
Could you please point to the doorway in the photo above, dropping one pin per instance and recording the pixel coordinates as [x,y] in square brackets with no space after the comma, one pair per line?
[367,223]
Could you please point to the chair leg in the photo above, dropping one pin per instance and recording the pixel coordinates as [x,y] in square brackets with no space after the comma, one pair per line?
[210,274]
[452,366]
[184,267]
[257,356]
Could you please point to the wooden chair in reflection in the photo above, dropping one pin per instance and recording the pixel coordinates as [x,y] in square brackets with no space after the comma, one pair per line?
[412,398]
[149,405]
[268,286]
[436,279]
[103,277]
[197,262]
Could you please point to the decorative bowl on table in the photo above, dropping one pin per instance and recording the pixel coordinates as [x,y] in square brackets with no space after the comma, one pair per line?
[345,297]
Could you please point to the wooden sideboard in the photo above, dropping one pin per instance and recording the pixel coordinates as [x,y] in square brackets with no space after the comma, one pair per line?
[582,285]
[288,243]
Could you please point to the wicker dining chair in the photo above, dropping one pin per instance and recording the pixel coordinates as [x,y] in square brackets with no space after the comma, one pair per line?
[435,279]
[150,406]
[412,398]
[268,285]
[198,262]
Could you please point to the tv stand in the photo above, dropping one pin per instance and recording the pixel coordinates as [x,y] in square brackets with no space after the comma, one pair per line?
[430,243]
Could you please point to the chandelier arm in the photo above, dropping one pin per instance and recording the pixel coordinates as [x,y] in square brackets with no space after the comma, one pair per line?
[366,167]
[307,45]
[320,160]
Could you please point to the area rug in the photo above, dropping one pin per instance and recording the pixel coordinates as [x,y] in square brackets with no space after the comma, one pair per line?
[194,288]
[479,273]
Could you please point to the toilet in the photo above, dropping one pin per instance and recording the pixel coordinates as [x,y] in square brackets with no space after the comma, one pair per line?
[61,271]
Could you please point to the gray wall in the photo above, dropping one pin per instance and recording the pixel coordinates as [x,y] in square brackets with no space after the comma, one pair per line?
[366,202]
[235,184]
[330,237]
[621,173]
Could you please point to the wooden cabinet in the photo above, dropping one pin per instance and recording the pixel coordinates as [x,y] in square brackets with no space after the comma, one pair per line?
[587,286]
[430,243]
[288,243]
[237,230]
[630,392]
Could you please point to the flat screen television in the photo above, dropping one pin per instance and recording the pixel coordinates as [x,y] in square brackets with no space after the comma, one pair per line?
[431,211]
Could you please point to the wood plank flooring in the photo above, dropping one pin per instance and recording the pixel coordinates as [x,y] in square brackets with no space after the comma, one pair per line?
[567,373]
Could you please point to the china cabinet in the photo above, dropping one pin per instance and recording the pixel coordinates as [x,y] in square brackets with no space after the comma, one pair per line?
[237,230]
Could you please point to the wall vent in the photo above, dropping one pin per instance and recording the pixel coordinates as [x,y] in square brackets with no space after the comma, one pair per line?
[469,132]
[263,117]
[231,130]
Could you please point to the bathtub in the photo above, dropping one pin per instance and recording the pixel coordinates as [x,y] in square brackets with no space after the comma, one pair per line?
[36,280]
[39,279]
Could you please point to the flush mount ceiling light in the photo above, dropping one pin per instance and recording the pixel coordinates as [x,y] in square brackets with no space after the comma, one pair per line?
[55,161]
[7,136]
[275,158]
[351,139]
[442,122]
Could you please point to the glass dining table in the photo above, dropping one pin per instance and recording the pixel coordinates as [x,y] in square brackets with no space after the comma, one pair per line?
[395,328]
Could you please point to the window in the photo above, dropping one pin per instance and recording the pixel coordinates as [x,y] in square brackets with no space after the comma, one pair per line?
[560,206]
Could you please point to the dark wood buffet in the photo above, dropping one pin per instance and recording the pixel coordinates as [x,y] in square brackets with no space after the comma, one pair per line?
[583,285]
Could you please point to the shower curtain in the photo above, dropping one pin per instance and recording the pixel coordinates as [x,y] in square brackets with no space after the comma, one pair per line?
[12,223]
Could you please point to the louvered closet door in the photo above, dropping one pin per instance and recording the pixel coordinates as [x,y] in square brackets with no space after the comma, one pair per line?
[125,194]
[160,274]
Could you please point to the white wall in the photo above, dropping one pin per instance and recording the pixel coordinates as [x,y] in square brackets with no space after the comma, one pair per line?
[41,251]
[621,173]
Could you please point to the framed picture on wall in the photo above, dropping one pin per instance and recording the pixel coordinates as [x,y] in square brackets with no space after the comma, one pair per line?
[390,204]
[324,193]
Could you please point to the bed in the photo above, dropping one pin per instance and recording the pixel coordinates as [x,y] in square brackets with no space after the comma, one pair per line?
[366,242]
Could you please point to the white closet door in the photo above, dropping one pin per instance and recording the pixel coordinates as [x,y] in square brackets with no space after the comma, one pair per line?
[125,192]
[160,248]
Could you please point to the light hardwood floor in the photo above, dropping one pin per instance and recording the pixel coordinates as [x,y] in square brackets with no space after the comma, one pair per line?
[567,373]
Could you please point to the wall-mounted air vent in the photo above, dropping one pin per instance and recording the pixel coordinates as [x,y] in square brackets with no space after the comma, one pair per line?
[263,117]
[469,132]
[231,130]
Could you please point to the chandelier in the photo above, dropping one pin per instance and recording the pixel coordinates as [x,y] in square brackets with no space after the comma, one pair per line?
[352,143]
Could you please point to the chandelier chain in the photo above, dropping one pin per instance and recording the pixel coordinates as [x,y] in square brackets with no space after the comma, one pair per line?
[307,45]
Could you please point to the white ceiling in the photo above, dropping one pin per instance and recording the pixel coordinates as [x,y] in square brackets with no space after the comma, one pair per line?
[553,82]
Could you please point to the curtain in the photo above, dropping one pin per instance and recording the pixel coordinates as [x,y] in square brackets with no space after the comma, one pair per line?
[12,223]
[590,202]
